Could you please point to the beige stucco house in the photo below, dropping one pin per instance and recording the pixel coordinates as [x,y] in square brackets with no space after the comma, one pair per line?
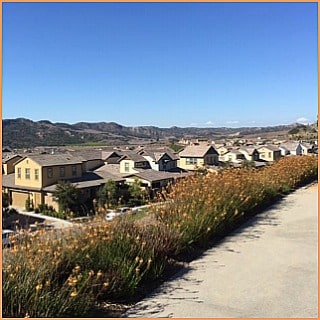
[35,177]
[233,155]
[35,172]
[194,157]
[269,153]
[131,161]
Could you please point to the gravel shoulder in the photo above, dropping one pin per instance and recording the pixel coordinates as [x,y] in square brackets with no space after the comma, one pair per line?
[267,268]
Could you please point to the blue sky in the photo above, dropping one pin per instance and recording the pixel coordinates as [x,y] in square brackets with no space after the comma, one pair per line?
[162,64]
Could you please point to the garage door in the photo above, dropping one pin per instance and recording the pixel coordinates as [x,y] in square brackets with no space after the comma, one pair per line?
[19,199]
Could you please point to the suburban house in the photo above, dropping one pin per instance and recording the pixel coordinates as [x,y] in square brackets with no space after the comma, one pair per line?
[289,148]
[34,172]
[92,158]
[150,178]
[155,180]
[233,155]
[131,161]
[111,157]
[223,150]
[250,153]
[195,141]
[6,149]
[160,159]
[284,151]
[269,153]
[296,148]
[8,162]
[194,157]
[304,148]
[35,177]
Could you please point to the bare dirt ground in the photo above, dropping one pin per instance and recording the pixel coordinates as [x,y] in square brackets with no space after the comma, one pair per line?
[268,268]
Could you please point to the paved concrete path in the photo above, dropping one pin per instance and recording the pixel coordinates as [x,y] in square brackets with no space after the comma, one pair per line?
[56,222]
[268,268]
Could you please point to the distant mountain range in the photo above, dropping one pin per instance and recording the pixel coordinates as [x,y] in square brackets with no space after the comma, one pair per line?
[25,133]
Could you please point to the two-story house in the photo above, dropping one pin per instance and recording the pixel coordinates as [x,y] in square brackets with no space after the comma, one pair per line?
[160,159]
[92,158]
[234,155]
[193,157]
[250,153]
[8,162]
[269,153]
[34,172]
[131,161]
[223,149]
[111,157]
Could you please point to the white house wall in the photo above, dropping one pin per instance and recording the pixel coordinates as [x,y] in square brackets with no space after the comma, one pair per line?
[153,165]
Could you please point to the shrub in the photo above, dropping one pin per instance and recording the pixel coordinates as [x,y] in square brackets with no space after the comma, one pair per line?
[29,204]
[61,275]
[203,206]
[6,201]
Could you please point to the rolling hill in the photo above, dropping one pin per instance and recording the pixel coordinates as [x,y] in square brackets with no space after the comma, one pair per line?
[25,133]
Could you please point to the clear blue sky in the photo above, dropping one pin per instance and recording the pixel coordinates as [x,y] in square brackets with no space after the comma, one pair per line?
[162,64]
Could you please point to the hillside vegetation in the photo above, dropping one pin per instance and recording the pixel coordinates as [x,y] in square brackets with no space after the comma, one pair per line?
[24,133]
[304,132]
[65,275]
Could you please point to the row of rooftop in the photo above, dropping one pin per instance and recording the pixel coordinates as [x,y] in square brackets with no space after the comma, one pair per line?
[35,176]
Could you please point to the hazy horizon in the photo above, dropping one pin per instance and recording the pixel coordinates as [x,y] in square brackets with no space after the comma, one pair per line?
[155,125]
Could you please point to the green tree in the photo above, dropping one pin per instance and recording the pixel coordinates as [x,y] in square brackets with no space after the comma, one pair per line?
[248,163]
[137,194]
[29,204]
[67,196]
[5,200]
[109,194]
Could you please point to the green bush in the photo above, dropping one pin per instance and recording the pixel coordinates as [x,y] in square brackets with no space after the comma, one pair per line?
[29,205]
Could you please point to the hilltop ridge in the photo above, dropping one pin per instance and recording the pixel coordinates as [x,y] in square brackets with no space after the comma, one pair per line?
[22,133]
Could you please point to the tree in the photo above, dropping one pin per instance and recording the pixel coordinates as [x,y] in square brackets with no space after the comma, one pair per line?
[67,196]
[5,200]
[109,194]
[29,204]
[248,163]
[137,194]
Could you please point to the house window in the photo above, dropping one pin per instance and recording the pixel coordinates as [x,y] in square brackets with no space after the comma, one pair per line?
[36,174]
[74,170]
[126,167]
[190,161]
[50,173]
[62,171]
[19,173]
[27,173]
[269,154]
